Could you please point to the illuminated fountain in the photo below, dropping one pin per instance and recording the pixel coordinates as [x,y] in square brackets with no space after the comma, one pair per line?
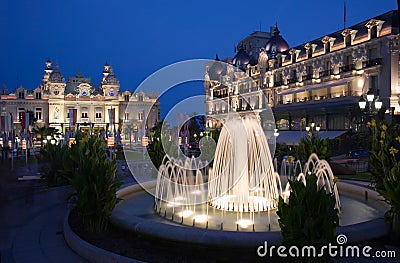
[243,178]
[241,183]
[324,174]
[239,195]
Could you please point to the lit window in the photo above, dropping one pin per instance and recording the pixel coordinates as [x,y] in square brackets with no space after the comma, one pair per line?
[20,112]
[84,113]
[38,113]
[98,113]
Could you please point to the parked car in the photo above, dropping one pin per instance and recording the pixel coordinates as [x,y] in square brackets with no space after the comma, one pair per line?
[357,154]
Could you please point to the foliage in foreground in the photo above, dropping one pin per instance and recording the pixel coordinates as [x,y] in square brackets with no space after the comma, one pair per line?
[309,217]
[53,156]
[93,179]
[385,169]
[312,144]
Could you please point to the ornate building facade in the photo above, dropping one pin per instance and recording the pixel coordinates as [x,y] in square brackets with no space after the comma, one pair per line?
[319,81]
[134,113]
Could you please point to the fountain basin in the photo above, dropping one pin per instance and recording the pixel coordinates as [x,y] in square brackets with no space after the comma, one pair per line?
[360,220]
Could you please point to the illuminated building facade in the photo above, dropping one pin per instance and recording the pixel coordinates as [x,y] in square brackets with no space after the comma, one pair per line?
[52,100]
[321,80]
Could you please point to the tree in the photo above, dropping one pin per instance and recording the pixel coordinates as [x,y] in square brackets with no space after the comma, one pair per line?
[42,132]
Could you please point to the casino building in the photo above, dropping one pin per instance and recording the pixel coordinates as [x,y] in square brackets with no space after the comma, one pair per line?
[320,81]
[52,100]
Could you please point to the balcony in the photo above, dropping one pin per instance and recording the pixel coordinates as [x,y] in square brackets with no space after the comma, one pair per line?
[372,62]
[255,88]
[220,96]
[326,73]
[292,80]
[307,77]
[347,68]
[278,83]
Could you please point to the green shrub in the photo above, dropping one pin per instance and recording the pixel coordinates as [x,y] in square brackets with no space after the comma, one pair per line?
[385,170]
[53,156]
[93,177]
[309,217]
[312,144]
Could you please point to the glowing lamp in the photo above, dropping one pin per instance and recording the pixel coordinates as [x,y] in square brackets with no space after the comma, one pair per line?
[362,103]
[370,96]
[378,103]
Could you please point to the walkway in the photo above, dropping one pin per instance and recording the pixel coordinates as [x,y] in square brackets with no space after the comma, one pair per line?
[31,217]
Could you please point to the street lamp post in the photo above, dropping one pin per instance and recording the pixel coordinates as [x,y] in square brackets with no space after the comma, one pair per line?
[276,132]
[371,105]
[313,126]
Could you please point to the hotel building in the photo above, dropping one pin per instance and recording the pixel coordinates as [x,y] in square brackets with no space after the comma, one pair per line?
[319,81]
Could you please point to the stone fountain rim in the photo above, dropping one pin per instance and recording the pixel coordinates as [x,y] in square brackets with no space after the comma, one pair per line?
[368,230]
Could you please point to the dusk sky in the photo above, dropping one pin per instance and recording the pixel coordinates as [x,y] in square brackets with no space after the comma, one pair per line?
[140,37]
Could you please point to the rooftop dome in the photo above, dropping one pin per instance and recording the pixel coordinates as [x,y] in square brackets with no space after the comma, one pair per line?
[217,69]
[277,44]
[241,59]
[56,76]
[253,61]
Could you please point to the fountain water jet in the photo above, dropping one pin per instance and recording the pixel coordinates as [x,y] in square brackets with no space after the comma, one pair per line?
[243,173]
[242,180]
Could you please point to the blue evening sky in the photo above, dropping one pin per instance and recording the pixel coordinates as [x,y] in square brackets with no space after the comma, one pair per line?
[139,37]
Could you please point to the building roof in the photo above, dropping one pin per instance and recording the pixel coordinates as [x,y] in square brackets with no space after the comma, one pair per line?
[241,59]
[389,18]
[277,44]
[56,76]
[72,87]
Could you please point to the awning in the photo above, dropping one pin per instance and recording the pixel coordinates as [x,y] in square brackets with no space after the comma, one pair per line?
[293,137]
[328,84]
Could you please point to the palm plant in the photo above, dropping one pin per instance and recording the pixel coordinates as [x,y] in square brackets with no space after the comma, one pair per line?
[42,132]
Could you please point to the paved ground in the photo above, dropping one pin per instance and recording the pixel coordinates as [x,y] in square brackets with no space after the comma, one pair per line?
[31,217]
